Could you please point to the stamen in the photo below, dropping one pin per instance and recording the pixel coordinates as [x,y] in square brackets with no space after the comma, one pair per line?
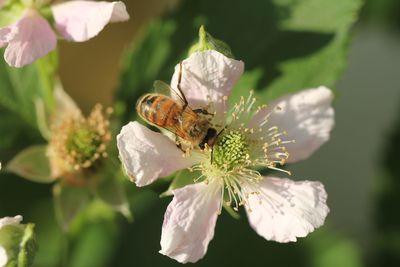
[76,143]
[240,148]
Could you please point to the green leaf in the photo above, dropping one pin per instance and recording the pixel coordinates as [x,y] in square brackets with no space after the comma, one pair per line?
[15,135]
[95,245]
[32,164]
[287,45]
[69,202]
[19,87]
[110,190]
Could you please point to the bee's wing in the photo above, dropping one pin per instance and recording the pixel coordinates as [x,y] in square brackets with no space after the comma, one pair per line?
[164,89]
[179,128]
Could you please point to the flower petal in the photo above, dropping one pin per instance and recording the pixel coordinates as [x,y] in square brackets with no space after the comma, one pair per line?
[307,117]
[5,36]
[3,257]
[28,39]
[285,209]
[65,106]
[10,220]
[207,77]
[81,20]
[189,222]
[147,155]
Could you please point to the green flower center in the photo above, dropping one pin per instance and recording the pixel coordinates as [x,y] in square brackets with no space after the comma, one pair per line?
[83,143]
[231,150]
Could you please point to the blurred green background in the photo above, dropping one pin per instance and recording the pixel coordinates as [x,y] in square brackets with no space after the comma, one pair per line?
[360,166]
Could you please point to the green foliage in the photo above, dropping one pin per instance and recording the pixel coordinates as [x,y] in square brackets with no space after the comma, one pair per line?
[111,191]
[19,88]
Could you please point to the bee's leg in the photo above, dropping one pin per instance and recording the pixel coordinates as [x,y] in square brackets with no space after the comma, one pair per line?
[185,102]
[202,111]
[222,130]
[179,145]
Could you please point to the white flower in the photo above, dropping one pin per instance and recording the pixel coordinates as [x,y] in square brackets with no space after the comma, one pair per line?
[288,130]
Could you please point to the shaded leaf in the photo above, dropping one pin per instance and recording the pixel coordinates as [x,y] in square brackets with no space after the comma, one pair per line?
[68,202]
[110,190]
[19,87]
[32,164]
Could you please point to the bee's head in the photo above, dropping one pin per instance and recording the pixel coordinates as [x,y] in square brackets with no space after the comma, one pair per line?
[209,138]
[198,130]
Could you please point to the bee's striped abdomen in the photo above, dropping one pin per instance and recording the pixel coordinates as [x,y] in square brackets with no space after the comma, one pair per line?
[157,109]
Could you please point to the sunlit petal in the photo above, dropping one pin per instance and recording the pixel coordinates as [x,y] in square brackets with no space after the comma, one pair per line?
[189,222]
[285,209]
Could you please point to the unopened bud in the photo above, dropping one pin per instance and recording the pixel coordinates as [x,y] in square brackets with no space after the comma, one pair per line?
[208,42]
[17,242]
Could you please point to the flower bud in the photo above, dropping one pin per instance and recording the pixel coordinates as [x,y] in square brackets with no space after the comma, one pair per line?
[208,42]
[17,242]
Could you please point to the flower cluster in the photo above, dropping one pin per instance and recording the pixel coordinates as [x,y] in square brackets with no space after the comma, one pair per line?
[250,137]
[29,35]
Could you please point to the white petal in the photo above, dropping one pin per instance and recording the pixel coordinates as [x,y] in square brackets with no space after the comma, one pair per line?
[285,209]
[81,20]
[189,222]
[3,257]
[65,105]
[208,76]
[307,117]
[28,39]
[10,220]
[147,155]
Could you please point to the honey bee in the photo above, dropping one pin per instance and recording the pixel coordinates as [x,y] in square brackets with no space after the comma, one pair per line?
[191,127]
